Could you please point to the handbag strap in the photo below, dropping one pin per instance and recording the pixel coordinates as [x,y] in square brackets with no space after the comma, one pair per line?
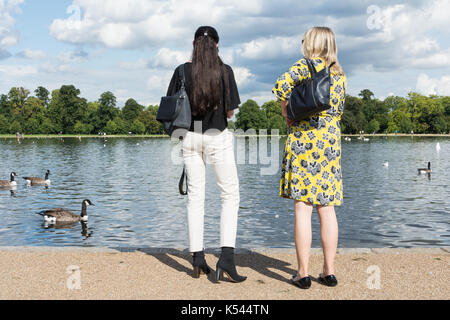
[180,184]
[312,69]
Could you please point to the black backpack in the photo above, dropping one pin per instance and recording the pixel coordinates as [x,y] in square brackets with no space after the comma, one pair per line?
[175,111]
[312,95]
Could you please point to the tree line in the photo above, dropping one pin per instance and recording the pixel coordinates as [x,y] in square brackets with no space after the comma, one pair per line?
[64,111]
[416,112]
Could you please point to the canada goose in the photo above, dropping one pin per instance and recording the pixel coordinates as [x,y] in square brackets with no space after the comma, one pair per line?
[63,215]
[10,183]
[424,170]
[38,181]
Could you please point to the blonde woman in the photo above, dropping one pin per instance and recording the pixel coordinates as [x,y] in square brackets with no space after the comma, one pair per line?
[311,170]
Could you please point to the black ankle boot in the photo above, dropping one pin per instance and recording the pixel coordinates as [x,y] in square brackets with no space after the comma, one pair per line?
[226,265]
[199,264]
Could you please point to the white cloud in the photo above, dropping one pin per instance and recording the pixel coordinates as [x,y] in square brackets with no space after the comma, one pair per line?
[434,60]
[167,58]
[270,48]
[8,36]
[134,65]
[428,86]
[158,82]
[33,54]
[71,56]
[142,23]
[51,67]
[242,75]
[259,39]
[17,71]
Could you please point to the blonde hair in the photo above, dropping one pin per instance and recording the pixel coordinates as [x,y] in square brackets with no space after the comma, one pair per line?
[320,42]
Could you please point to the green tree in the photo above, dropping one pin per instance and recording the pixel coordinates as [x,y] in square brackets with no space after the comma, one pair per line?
[17,98]
[106,111]
[5,107]
[82,128]
[251,116]
[131,110]
[43,95]
[66,108]
[4,125]
[152,126]
[111,127]
[366,94]
[275,119]
[47,127]
[373,126]
[353,118]
[137,127]
[15,127]
[123,127]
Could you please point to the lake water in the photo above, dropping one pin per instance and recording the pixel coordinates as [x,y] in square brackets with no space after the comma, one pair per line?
[134,185]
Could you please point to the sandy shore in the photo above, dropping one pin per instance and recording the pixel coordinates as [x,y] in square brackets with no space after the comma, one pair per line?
[98,273]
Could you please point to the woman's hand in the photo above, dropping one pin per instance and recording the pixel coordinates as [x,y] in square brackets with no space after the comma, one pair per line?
[230,114]
[284,105]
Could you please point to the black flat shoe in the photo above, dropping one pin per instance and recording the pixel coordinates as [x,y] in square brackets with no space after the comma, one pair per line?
[329,281]
[303,283]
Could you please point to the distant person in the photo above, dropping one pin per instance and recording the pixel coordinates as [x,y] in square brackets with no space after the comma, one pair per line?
[213,96]
[311,169]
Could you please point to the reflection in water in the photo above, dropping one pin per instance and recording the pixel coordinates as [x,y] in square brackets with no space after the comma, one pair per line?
[135,188]
[85,232]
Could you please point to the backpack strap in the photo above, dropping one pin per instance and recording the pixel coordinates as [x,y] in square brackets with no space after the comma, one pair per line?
[182,76]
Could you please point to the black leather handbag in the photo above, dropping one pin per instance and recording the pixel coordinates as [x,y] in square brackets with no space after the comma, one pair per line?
[312,95]
[175,111]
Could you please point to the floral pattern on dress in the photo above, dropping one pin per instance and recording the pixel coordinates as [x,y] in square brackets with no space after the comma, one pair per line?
[311,169]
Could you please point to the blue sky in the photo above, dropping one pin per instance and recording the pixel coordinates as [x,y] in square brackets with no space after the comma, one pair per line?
[130,47]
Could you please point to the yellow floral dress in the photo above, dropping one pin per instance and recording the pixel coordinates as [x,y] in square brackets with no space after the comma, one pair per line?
[311,170]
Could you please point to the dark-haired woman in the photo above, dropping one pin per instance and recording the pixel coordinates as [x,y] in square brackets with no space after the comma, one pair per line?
[214,96]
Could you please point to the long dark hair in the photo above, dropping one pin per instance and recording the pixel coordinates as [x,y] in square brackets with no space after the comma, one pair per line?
[209,74]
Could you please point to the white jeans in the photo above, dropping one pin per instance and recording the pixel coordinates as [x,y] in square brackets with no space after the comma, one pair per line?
[217,150]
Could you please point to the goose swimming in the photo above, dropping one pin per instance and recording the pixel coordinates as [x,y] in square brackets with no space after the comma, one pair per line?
[425,170]
[65,216]
[38,181]
[10,183]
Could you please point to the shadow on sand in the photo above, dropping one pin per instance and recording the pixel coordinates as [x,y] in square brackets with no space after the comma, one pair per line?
[260,263]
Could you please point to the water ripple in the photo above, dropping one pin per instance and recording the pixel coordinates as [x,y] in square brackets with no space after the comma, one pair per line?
[134,188]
